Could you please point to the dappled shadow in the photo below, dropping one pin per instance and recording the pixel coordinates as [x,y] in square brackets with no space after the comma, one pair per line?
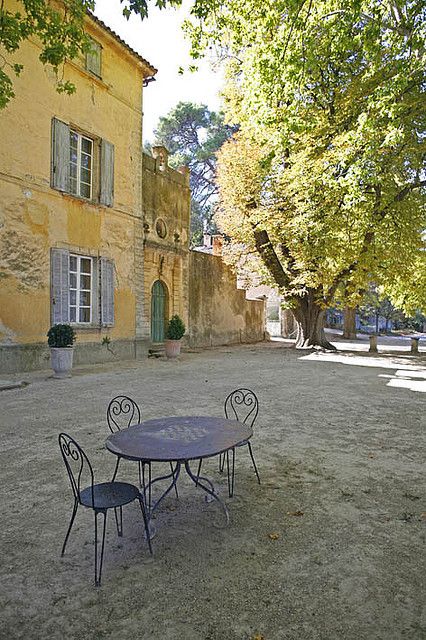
[410,374]
[405,379]
[381,361]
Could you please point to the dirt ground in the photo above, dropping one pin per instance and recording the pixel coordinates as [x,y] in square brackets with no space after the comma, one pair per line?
[329,546]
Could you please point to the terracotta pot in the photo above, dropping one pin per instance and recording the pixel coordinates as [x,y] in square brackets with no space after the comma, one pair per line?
[172,348]
[61,360]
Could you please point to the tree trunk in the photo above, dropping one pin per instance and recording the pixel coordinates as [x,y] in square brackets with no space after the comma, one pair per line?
[288,324]
[310,319]
[349,327]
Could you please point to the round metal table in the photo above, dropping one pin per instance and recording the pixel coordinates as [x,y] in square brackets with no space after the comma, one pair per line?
[179,440]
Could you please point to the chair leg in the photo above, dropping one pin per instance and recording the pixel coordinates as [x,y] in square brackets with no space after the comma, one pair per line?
[146,524]
[116,469]
[119,521]
[231,476]
[143,484]
[173,473]
[98,573]
[74,511]
[200,462]
[221,462]
[252,459]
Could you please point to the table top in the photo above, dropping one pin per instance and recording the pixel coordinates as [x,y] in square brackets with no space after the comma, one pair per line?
[178,438]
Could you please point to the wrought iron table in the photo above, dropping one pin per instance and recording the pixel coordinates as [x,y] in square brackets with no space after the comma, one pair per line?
[178,440]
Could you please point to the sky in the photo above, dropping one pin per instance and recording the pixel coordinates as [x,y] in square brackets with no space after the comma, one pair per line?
[159,39]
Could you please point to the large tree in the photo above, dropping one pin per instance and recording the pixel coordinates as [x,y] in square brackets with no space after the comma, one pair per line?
[193,134]
[325,182]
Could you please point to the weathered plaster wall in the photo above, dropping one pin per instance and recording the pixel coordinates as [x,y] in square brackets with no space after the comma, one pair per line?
[34,217]
[166,197]
[219,313]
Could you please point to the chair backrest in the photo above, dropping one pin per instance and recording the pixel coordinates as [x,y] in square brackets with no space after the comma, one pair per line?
[122,412]
[242,405]
[78,465]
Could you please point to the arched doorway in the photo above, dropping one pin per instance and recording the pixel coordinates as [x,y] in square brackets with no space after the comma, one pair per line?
[158,311]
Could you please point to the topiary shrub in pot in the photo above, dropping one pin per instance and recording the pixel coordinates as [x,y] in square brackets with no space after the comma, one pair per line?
[60,339]
[174,332]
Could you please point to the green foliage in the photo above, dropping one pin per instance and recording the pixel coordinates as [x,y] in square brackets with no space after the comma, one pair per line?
[325,181]
[193,134]
[61,335]
[175,328]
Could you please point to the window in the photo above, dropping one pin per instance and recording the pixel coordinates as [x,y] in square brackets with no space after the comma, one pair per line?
[82,289]
[81,161]
[81,278]
[94,58]
[82,165]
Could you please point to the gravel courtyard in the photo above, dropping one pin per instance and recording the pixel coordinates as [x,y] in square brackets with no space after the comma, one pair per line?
[330,545]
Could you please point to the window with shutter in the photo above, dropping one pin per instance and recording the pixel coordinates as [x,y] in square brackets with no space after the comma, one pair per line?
[75,164]
[94,58]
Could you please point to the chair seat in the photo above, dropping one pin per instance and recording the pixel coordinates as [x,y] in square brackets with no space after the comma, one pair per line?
[109,494]
[241,444]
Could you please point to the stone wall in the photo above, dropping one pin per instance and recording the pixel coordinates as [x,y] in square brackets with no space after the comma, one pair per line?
[219,313]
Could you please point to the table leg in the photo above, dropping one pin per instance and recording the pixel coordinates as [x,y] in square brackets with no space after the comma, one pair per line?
[174,475]
[199,480]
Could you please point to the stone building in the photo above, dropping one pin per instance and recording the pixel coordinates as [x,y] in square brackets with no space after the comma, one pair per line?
[93,232]
[166,208]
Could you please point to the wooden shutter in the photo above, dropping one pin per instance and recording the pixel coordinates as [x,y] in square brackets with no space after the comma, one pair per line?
[60,276]
[60,178]
[93,58]
[107,173]
[106,271]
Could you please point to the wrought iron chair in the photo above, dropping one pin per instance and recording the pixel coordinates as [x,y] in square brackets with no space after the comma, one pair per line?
[100,497]
[122,412]
[243,405]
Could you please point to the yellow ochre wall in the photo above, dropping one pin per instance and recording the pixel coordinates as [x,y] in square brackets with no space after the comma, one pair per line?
[34,217]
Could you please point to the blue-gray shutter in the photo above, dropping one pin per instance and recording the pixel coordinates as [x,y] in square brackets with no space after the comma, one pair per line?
[60,174]
[107,291]
[107,173]
[60,279]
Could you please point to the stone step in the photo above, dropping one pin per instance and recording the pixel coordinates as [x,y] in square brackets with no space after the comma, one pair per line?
[156,352]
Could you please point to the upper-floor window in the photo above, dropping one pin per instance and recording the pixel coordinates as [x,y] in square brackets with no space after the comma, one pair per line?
[81,161]
[94,58]
[82,165]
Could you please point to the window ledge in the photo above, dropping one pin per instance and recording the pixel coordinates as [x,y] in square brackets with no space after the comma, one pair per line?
[89,74]
[86,327]
[93,203]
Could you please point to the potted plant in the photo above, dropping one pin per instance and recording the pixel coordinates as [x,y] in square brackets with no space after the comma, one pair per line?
[174,332]
[61,338]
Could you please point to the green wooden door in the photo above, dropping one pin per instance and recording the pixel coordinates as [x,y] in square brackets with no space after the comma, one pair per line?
[158,311]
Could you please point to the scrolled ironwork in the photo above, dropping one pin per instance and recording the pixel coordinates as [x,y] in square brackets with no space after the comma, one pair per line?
[122,411]
[242,405]
[75,462]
